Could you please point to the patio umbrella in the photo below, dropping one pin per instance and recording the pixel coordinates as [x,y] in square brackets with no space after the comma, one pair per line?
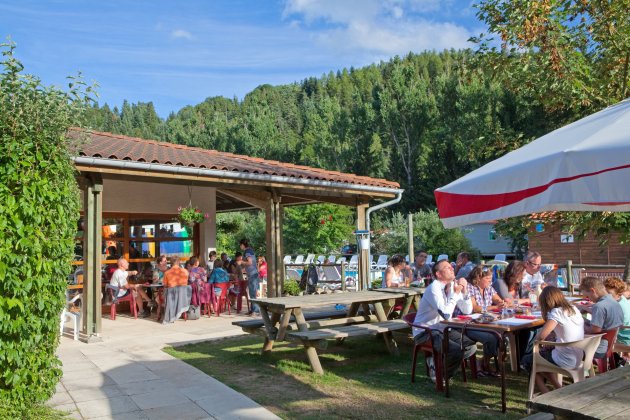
[584,166]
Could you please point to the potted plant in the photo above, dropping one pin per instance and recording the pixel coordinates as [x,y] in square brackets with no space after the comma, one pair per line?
[189,215]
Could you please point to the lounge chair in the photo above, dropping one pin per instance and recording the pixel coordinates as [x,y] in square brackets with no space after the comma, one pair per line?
[309,259]
[299,259]
[287,259]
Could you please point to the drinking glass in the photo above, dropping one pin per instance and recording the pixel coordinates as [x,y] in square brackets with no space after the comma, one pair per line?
[533,299]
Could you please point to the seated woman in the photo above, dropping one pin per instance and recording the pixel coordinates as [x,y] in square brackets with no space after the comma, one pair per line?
[196,274]
[566,323]
[616,288]
[219,275]
[394,273]
[509,287]
[484,297]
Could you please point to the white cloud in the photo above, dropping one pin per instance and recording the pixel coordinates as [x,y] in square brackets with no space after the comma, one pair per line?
[181,33]
[379,28]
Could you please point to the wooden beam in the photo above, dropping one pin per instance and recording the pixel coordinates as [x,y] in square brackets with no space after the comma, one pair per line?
[363,276]
[91,305]
[275,264]
[255,198]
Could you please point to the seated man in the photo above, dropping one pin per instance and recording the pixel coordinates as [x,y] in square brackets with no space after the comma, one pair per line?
[532,278]
[420,269]
[463,265]
[119,281]
[176,275]
[606,313]
[438,302]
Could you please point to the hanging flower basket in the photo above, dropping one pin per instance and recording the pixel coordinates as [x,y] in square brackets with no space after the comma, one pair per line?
[189,215]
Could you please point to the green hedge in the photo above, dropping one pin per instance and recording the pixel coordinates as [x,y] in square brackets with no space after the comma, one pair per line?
[39,209]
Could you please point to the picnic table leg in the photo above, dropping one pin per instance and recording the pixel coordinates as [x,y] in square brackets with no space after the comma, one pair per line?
[392,347]
[300,320]
[313,358]
[408,302]
[366,309]
[443,355]
[284,322]
[416,302]
[269,327]
[354,309]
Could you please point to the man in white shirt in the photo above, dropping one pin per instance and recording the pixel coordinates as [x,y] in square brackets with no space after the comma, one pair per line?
[532,277]
[438,302]
[119,281]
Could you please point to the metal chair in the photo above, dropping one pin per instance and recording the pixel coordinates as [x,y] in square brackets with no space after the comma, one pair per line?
[427,348]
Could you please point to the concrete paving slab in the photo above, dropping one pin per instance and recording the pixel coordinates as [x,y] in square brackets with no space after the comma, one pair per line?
[89,394]
[107,407]
[128,376]
[180,411]
[60,398]
[160,399]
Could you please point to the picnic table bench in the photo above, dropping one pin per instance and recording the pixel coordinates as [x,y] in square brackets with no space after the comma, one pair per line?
[283,315]
[313,339]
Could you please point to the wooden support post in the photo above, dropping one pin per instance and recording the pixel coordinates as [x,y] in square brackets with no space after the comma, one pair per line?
[275,264]
[363,276]
[93,216]
[313,358]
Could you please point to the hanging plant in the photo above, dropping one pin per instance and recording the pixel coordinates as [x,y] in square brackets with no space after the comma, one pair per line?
[189,215]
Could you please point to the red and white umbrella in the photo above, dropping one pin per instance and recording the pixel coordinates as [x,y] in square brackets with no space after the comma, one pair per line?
[584,166]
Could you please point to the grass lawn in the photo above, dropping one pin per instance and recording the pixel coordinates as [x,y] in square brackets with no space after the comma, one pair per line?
[361,381]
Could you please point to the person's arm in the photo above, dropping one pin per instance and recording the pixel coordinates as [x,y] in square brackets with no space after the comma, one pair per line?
[597,321]
[547,329]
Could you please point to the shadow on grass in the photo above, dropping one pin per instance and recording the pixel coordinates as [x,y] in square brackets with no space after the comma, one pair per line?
[361,380]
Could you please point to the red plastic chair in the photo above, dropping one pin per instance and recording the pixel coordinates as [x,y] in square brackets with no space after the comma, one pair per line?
[128,298]
[427,348]
[242,293]
[607,362]
[223,301]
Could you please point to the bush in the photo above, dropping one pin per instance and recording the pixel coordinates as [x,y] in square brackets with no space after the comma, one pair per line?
[38,219]
[292,288]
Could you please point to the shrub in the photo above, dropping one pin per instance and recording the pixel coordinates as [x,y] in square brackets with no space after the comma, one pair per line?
[291,287]
[38,218]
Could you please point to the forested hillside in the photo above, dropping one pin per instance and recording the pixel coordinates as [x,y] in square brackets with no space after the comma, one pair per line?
[422,120]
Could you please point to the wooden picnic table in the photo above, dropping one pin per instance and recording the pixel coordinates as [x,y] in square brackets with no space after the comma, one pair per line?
[605,396]
[502,328]
[412,296]
[277,312]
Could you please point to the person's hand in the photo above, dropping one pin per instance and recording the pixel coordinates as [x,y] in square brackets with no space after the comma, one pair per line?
[460,285]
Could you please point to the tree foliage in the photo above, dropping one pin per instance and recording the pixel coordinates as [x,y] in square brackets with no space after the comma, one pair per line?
[572,55]
[38,215]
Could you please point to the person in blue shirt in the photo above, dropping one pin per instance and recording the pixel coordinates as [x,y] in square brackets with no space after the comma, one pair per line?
[249,262]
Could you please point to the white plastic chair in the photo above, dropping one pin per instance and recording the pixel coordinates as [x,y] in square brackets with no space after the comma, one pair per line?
[430,259]
[75,317]
[442,257]
[321,259]
[341,260]
[331,259]
[588,344]
[331,273]
[309,258]
[353,264]
[287,259]
[500,257]
[381,263]
[299,259]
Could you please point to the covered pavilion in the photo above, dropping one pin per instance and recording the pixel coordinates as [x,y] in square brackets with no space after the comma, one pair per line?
[137,185]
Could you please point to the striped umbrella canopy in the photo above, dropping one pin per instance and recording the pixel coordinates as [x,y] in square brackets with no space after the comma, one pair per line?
[584,166]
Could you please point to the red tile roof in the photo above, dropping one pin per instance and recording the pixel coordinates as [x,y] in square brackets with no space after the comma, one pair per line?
[119,147]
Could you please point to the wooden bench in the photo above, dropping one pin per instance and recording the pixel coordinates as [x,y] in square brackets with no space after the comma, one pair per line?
[313,339]
[252,325]
[256,326]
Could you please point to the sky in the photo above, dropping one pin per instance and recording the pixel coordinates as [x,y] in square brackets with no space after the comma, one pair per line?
[180,52]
